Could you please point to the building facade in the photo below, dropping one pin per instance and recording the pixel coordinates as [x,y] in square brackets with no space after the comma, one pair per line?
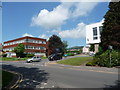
[32,45]
[85,49]
[93,34]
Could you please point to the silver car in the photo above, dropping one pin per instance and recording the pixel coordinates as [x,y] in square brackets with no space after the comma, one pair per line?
[34,59]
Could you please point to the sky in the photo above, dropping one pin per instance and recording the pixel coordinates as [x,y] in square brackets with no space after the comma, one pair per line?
[43,19]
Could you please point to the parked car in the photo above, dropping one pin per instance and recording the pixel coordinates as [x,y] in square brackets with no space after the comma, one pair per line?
[54,57]
[34,59]
[91,54]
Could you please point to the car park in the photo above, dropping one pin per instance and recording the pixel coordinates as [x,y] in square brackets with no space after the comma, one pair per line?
[34,59]
[54,57]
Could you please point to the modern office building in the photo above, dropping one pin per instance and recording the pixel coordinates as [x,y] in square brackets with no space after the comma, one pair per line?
[93,34]
[32,45]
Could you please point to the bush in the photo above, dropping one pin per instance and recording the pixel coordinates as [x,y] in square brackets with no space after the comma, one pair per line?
[30,55]
[100,51]
[104,58]
[70,54]
[4,55]
[89,64]
[77,52]
[92,63]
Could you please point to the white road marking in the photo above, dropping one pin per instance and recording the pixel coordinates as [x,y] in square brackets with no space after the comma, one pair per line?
[45,83]
[41,87]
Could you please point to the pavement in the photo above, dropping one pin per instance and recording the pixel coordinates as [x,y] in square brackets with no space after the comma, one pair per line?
[47,74]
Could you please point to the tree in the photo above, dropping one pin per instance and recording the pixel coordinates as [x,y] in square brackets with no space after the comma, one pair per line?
[65,45]
[111,27]
[92,47]
[55,44]
[19,50]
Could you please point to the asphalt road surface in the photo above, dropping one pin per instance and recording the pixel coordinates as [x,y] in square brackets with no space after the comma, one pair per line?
[42,75]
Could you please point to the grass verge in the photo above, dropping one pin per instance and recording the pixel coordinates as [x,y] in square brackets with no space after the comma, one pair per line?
[15,59]
[43,57]
[7,77]
[77,61]
[12,59]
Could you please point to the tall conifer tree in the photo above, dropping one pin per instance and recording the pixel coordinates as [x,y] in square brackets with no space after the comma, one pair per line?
[111,27]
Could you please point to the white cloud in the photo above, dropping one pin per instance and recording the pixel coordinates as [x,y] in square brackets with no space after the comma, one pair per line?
[77,32]
[43,36]
[83,8]
[56,31]
[58,16]
[53,19]
[26,34]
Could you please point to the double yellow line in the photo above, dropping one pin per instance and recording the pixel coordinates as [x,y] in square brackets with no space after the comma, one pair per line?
[19,80]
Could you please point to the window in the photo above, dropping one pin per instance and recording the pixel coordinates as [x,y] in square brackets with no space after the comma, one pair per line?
[95,37]
[95,33]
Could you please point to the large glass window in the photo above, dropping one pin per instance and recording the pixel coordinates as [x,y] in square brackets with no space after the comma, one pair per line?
[95,33]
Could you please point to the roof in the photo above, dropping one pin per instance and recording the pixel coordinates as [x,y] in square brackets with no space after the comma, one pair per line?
[35,38]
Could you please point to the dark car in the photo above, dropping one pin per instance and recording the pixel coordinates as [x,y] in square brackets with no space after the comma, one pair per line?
[54,57]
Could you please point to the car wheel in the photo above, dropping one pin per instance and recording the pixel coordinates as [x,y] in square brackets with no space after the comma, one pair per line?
[31,61]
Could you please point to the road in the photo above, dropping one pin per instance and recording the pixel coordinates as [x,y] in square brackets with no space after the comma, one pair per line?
[40,75]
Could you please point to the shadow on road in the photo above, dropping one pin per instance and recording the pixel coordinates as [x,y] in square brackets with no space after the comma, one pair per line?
[32,77]
[113,87]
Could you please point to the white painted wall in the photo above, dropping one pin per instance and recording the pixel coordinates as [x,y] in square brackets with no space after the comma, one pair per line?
[40,54]
[85,49]
[10,54]
[89,33]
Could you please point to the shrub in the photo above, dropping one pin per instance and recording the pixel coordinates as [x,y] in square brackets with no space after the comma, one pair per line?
[77,52]
[30,55]
[92,63]
[70,54]
[100,51]
[89,64]
[104,58]
[4,55]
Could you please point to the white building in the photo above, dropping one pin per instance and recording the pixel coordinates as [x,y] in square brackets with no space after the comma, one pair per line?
[93,34]
[85,49]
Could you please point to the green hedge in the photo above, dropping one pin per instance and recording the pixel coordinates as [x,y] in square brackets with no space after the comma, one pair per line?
[4,55]
[92,63]
[30,55]
[77,52]
[104,58]
[70,54]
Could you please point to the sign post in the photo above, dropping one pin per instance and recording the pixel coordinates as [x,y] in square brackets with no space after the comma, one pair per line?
[110,47]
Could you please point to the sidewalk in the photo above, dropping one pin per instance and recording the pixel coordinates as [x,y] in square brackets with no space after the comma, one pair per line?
[113,70]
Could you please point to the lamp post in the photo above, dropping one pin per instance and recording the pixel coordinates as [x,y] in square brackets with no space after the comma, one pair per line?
[110,47]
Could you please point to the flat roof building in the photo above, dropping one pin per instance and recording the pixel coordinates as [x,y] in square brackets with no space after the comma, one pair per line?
[93,34]
[32,45]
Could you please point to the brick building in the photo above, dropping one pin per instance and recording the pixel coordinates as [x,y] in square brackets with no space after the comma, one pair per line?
[32,45]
